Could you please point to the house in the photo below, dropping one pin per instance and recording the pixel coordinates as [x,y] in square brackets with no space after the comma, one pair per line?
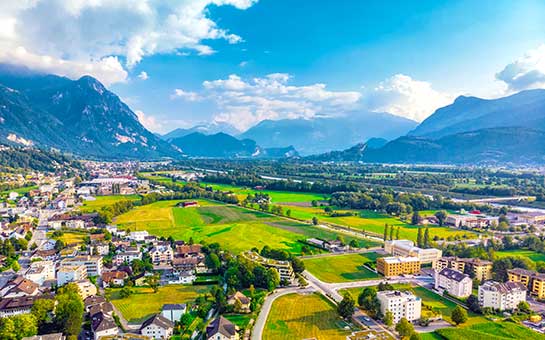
[114,278]
[394,266]
[454,282]
[48,255]
[86,288]
[221,329]
[16,306]
[40,272]
[19,286]
[157,327]
[100,248]
[127,257]
[173,312]
[189,204]
[407,248]
[241,302]
[103,325]
[68,273]
[402,304]
[501,296]
[161,254]
[52,336]
[188,250]
[138,236]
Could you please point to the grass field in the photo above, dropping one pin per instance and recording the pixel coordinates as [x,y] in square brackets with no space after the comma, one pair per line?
[20,191]
[297,316]
[144,302]
[532,255]
[341,268]
[104,201]
[487,330]
[276,196]
[69,237]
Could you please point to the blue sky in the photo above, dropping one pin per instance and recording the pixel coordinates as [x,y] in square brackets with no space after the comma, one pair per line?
[404,57]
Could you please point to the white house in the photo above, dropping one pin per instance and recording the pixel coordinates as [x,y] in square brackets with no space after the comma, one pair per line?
[221,329]
[67,274]
[454,282]
[173,312]
[161,254]
[402,304]
[40,272]
[501,296]
[138,236]
[103,325]
[157,327]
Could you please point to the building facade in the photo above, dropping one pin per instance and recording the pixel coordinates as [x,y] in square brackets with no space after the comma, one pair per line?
[406,248]
[501,296]
[476,268]
[396,265]
[402,304]
[454,282]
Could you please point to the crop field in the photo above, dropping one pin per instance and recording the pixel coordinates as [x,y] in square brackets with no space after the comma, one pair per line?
[297,316]
[104,201]
[372,222]
[487,330]
[342,268]
[144,302]
[532,255]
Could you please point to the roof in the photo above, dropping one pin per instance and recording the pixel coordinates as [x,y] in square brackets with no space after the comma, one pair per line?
[174,306]
[240,297]
[109,276]
[24,285]
[521,271]
[158,320]
[18,302]
[188,248]
[101,321]
[221,325]
[53,336]
[453,274]
[398,259]
[504,288]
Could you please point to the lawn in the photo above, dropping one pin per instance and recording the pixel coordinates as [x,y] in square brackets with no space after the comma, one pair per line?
[69,237]
[342,268]
[532,255]
[487,330]
[144,302]
[104,201]
[297,316]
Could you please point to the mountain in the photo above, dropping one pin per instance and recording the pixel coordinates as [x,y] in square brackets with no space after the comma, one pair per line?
[318,135]
[486,146]
[77,116]
[205,128]
[222,145]
[524,109]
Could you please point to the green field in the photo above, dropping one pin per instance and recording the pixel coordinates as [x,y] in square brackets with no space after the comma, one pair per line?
[20,191]
[276,196]
[297,316]
[144,302]
[70,237]
[532,255]
[342,268]
[104,201]
[487,330]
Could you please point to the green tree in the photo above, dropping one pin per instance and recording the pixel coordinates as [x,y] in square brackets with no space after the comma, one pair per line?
[419,240]
[7,329]
[353,243]
[388,318]
[441,216]
[69,310]
[524,307]
[153,282]
[315,220]
[426,238]
[397,233]
[385,232]
[404,328]
[25,325]
[458,315]
[415,219]
[391,233]
[212,261]
[42,309]
[345,308]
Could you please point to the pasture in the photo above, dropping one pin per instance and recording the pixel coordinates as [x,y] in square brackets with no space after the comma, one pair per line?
[487,330]
[342,268]
[105,201]
[532,255]
[144,302]
[297,316]
[70,237]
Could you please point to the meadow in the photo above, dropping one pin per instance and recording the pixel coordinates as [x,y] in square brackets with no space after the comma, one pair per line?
[532,255]
[486,330]
[297,316]
[144,302]
[342,268]
[70,237]
[105,201]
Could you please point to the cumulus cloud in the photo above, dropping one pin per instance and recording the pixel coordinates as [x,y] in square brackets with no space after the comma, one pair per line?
[186,95]
[403,96]
[143,75]
[85,33]
[527,72]
[149,122]
[243,103]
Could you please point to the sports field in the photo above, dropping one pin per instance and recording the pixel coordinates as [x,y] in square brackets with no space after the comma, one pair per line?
[144,302]
[342,268]
[104,201]
[297,316]
[532,255]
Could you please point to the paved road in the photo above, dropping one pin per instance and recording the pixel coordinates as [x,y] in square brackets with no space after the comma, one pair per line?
[257,332]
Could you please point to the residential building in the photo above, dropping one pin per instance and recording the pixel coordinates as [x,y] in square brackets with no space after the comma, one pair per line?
[114,278]
[454,282]
[161,254]
[92,263]
[240,301]
[188,250]
[16,306]
[221,329]
[396,265]
[86,288]
[406,248]
[19,286]
[173,311]
[68,273]
[41,271]
[157,327]
[52,336]
[138,236]
[103,325]
[501,296]
[402,304]
[127,257]
[283,268]
[535,282]
[476,268]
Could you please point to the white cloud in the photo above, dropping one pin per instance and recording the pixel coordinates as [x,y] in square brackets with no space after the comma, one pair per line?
[85,33]
[243,103]
[143,75]
[243,63]
[186,95]
[527,72]
[149,122]
[403,96]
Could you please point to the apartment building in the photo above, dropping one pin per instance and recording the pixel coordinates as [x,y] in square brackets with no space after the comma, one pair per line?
[41,272]
[161,254]
[476,268]
[534,282]
[501,296]
[67,273]
[93,264]
[127,256]
[402,304]
[454,282]
[396,265]
[407,248]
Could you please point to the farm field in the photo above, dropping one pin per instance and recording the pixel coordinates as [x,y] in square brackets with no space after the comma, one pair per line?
[532,255]
[487,330]
[297,316]
[69,237]
[373,222]
[104,201]
[144,302]
[342,268]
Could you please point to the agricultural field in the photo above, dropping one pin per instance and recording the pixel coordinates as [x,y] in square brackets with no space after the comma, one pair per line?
[532,255]
[297,316]
[342,268]
[372,222]
[144,302]
[104,201]
[70,237]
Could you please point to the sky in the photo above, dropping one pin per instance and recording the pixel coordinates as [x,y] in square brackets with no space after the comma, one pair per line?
[181,63]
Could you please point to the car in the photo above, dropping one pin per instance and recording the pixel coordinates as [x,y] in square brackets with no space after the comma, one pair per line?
[366,318]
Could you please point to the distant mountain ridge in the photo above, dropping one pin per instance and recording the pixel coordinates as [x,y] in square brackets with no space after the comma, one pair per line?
[204,128]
